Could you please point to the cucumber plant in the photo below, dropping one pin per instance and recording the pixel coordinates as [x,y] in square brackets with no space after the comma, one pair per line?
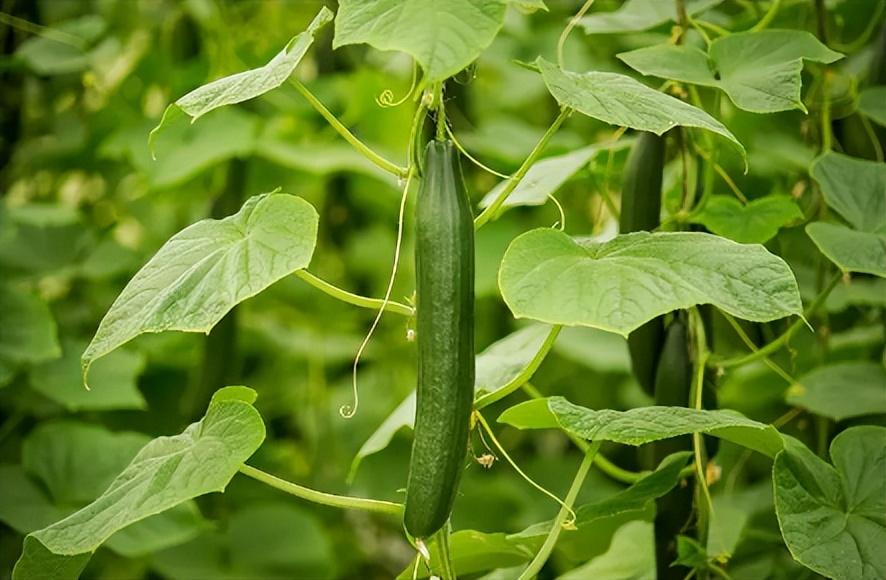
[601,199]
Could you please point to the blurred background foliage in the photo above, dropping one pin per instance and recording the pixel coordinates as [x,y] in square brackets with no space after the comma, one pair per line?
[84,206]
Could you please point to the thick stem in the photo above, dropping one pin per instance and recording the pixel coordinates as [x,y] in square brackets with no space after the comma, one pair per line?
[351,298]
[547,547]
[445,570]
[328,499]
[703,503]
[491,211]
[346,133]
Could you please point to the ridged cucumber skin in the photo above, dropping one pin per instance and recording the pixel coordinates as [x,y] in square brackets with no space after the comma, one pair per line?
[444,266]
[641,211]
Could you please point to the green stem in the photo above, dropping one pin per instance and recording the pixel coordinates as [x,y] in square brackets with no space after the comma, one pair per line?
[703,504]
[351,298]
[561,42]
[43,31]
[547,547]
[346,133]
[329,499]
[603,463]
[491,211]
[768,17]
[525,374]
[779,342]
[446,571]
[750,344]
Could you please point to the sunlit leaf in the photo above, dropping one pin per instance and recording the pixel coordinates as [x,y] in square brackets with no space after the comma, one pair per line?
[641,425]
[444,37]
[833,517]
[842,390]
[208,268]
[760,71]
[620,100]
[617,286]
[165,473]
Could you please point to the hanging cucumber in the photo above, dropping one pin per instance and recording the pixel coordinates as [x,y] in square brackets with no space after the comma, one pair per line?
[641,211]
[444,266]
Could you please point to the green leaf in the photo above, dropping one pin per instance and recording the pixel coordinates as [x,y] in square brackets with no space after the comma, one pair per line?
[474,551]
[754,223]
[639,498]
[872,104]
[630,556]
[208,268]
[28,333]
[619,285]
[854,188]
[248,84]
[638,15]
[620,100]
[401,417]
[444,37]
[759,71]
[113,381]
[46,54]
[850,250]
[545,177]
[167,472]
[840,391]
[596,349]
[641,425]
[833,517]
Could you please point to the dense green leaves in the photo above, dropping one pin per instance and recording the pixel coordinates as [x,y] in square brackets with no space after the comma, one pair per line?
[641,425]
[208,268]
[549,276]
[855,189]
[620,100]
[841,391]
[165,473]
[833,517]
[248,84]
[760,71]
[756,222]
[444,37]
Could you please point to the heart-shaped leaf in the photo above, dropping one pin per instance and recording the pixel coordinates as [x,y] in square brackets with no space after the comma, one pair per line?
[208,268]
[756,222]
[619,285]
[841,391]
[833,517]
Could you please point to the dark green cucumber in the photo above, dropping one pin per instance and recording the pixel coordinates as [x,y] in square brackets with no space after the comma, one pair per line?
[641,211]
[444,267]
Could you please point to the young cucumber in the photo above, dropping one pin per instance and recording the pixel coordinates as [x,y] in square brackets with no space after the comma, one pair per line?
[641,211]
[444,266]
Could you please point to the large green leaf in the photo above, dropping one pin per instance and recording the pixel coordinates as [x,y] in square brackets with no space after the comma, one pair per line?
[637,15]
[248,84]
[546,176]
[756,222]
[619,285]
[872,103]
[167,472]
[620,100]
[630,556]
[641,425]
[833,517]
[27,333]
[856,189]
[208,268]
[842,390]
[444,37]
[760,71]
[113,380]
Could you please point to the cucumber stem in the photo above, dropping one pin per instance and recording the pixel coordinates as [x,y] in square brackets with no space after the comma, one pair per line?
[329,499]
[351,298]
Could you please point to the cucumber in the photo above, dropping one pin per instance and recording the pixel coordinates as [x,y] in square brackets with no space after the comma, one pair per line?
[444,266]
[641,211]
